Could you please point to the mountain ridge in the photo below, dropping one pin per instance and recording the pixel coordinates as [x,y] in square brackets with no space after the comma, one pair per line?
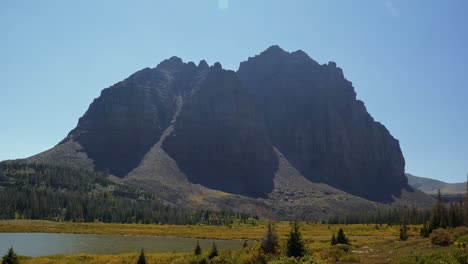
[201,136]
[431,186]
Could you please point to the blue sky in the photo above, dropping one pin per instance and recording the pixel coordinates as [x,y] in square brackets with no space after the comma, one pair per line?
[407,60]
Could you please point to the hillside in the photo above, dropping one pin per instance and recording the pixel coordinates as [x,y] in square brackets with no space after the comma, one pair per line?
[431,186]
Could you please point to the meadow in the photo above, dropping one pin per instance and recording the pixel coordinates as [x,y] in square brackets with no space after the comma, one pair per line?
[370,243]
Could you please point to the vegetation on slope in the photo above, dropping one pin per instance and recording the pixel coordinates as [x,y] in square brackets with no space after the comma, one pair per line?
[31,191]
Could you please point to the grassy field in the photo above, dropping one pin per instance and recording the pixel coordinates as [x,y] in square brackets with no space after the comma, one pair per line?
[370,243]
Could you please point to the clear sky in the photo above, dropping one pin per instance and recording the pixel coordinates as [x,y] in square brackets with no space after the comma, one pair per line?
[407,60]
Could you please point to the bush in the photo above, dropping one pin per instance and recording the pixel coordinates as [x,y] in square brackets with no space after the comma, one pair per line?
[441,258]
[338,252]
[194,260]
[441,237]
[459,232]
[253,258]
[461,251]
[291,260]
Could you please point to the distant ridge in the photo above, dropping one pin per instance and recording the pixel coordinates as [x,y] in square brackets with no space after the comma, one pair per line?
[431,186]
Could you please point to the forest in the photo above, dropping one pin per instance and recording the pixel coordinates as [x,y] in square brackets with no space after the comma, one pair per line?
[30,191]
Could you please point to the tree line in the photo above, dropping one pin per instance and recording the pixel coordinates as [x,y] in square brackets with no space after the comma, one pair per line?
[38,191]
[441,215]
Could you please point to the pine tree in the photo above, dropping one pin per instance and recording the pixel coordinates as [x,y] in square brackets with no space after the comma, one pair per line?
[10,257]
[198,250]
[438,217]
[465,204]
[333,240]
[404,232]
[341,237]
[214,251]
[424,231]
[270,241]
[404,226]
[295,245]
[141,258]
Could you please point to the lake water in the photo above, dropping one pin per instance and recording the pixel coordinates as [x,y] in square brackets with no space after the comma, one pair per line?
[44,244]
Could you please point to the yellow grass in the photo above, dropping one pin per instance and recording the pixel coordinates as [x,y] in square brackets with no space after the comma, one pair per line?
[371,243]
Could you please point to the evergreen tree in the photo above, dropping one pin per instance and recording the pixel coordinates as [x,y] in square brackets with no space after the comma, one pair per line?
[270,241]
[424,230]
[295,245]
[404,232]
[198,250]
[438,217]
[404,227]
[141,258]
[10,257]
[214,251]
[465,204]
[341,237]
[333,240]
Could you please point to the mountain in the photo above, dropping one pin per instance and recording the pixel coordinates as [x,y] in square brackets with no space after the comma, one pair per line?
[431,186]
[314,119]
[282,137]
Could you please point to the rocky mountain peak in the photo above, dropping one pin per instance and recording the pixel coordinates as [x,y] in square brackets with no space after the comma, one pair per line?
[224,130]
[173,63]
[217,66]
[203,65]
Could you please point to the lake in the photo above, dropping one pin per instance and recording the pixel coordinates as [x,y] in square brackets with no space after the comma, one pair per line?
[44,244]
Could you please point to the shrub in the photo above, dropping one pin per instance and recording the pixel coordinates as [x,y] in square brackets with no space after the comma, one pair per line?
[459,232]
[338,252]
[461,249]
[441,258]
[194,260]
[291,260]
[253,258]
[441,237]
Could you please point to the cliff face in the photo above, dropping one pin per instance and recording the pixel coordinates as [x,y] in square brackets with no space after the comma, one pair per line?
[313,118]
[192,134]
[219,141]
